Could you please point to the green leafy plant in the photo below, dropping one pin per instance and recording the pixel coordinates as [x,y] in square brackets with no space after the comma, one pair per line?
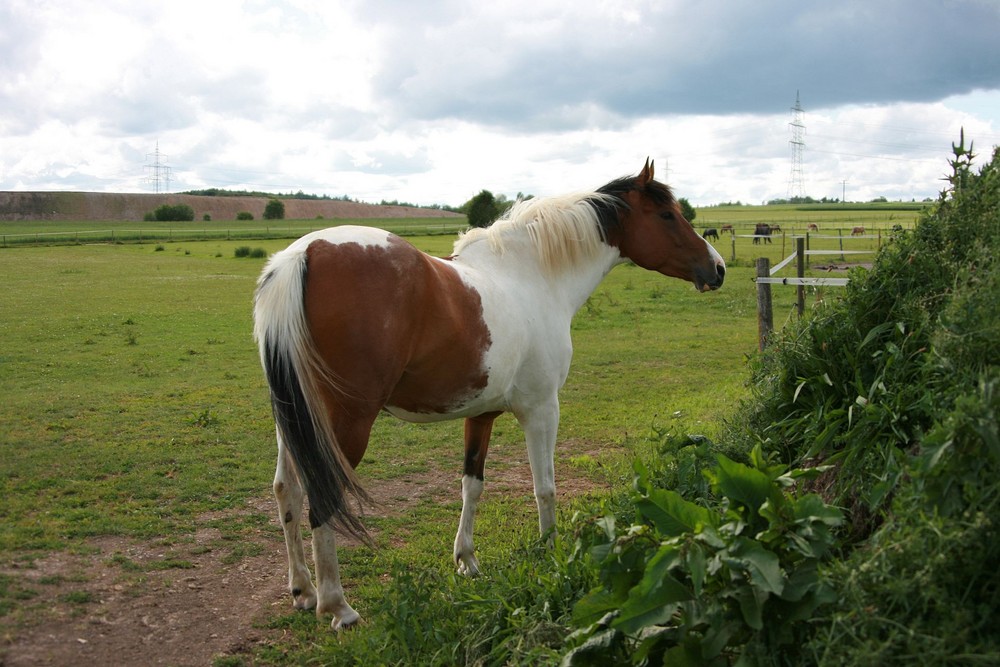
[703,584]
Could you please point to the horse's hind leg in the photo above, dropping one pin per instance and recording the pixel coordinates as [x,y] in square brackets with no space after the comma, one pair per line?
[289,494]
[331,591]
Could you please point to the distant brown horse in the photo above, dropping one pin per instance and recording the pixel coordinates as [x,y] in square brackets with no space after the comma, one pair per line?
[857,231]
[812,227]
[726,228]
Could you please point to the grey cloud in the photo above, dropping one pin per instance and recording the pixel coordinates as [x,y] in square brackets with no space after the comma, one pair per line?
[720,59]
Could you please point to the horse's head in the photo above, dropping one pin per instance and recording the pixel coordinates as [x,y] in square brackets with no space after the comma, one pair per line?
[653,233]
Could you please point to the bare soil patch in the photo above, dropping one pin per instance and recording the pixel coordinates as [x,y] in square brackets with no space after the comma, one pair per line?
[126,206]
[189,601]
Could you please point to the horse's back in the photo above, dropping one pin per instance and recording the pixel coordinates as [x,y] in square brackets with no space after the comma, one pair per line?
[400,328]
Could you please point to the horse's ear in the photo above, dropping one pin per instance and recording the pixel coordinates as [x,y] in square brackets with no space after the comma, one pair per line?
[646,175]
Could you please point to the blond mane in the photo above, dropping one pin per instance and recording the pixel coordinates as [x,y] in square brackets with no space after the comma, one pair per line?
[564,230]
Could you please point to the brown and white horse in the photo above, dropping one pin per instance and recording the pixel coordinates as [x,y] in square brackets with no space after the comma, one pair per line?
[354,320]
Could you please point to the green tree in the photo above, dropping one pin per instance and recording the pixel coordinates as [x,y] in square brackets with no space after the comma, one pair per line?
[172,213]
[275,209]
[687,210]
[481,210]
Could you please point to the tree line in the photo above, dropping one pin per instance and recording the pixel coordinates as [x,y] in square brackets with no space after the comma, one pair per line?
[483,209]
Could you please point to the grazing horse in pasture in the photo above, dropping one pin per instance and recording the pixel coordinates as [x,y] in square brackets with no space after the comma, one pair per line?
[812,227]
[762,230]
[857,231]
[726,228]
[351,321]
[775,228]
[710,233]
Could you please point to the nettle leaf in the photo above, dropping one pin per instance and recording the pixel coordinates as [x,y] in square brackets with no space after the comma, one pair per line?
[802,580]
[752,601]
[593,606]
[812,508]
[682,656]
[671,514]
[717,636]
[759,461]
[710,537]
[762,565]
[743,484]
[697,566]
[657,596]
[595,650]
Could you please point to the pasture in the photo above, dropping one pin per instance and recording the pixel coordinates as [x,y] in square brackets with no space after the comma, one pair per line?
[138,447]
[63,232]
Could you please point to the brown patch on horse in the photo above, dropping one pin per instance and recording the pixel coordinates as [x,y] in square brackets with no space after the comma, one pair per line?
[401,325]
[477,441]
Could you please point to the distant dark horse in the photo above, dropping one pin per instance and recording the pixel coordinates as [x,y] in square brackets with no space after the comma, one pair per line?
[762,231]
[710,233]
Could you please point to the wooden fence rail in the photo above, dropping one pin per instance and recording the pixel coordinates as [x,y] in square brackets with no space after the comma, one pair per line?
[765,278]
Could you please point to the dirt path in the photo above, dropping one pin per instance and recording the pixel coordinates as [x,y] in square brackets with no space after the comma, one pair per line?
[118,607]
[190,602]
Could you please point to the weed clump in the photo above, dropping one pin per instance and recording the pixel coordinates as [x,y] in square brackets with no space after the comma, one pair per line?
[862,528]
[246,251]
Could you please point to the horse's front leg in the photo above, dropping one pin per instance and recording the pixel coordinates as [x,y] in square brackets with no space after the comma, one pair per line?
[477,440]
[540,424]
[289,494]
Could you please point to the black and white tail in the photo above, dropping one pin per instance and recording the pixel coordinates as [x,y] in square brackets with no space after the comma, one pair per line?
[296,374]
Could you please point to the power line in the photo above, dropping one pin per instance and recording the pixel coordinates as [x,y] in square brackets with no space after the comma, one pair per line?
[160,173]
[796,185]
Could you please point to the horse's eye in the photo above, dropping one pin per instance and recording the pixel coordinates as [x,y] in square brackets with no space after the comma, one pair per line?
[667,215]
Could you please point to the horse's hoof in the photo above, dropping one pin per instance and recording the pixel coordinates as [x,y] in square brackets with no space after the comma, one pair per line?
[304,600]
[468,568]
[346,622]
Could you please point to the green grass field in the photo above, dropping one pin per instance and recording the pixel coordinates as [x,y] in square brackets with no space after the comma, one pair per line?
[63,232]
[134,406]
[827,217]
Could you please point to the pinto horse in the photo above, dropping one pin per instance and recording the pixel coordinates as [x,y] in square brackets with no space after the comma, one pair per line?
[354,320]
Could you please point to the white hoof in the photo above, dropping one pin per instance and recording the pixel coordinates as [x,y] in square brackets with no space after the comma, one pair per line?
[346,622]
[468,566]
[304,600]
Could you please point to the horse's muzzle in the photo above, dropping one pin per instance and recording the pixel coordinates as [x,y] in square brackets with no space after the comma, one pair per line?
[706,281]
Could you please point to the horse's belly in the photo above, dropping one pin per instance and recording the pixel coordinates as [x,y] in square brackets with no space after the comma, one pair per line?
[471,408]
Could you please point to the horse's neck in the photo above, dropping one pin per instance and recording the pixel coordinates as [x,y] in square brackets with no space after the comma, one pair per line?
[566,288]
[575,284]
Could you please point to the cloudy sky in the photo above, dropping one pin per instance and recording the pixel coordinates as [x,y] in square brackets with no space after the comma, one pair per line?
[432,101]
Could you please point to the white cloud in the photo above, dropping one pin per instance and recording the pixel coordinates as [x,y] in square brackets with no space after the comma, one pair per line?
[432,102]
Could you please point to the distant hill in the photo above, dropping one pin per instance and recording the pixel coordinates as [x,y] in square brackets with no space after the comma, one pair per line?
[115,206]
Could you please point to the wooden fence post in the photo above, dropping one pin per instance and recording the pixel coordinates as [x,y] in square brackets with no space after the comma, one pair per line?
[733,234]
[800,261]
[765,316]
